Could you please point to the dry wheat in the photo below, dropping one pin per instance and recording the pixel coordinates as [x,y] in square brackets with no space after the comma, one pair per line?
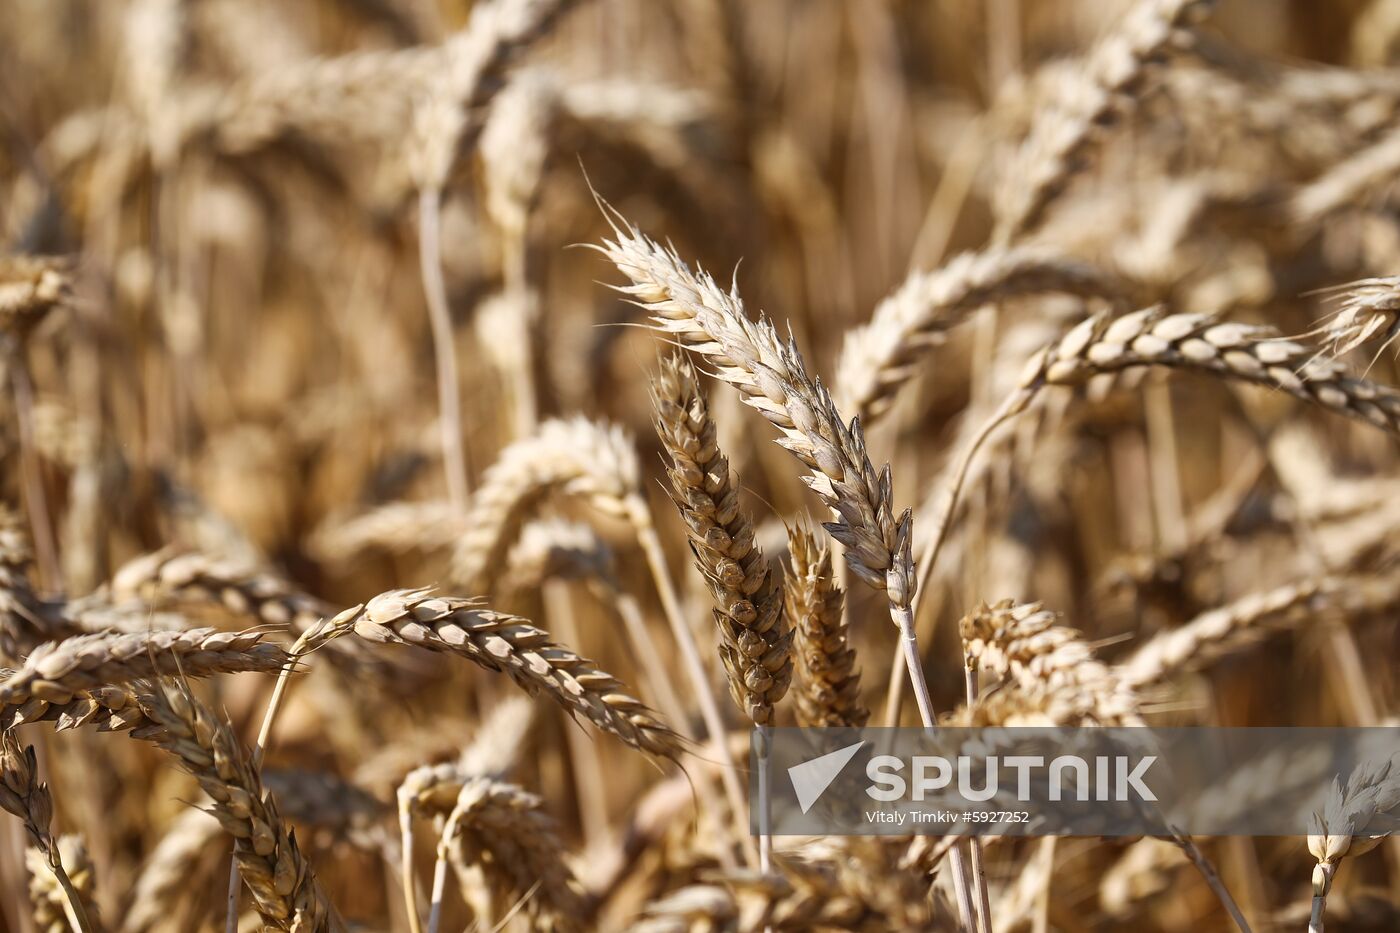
[827,683]
[755,637]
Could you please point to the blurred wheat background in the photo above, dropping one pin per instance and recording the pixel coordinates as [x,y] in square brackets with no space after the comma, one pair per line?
[301,374]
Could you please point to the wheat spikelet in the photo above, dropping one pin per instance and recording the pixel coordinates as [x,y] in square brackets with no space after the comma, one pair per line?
[1220,632]
[25,621]
[576,457]
[827,683]
[1250,353]
[510,645]
[1106,88]
[504,830]
[285,890]
[770,376]
[46,896]
[878,358]
[755,639]
[56,671]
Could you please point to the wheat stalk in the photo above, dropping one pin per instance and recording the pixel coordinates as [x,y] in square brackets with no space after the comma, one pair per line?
[827,690]
[47,897]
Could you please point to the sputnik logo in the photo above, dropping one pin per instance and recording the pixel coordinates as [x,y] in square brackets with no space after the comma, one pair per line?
[811,778]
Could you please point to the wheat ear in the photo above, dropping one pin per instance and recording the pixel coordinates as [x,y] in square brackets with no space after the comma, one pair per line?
[879,358]
[1217,633]
[1105,90]
[1369,309]
[284,889]
[1250,353]
[827,690]
[755,640]
[510,645]
[56,671]
[505,831]
[23,795]
[1339,831]
[770,376]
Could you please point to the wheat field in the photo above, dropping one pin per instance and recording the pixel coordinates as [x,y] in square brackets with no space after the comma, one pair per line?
[435,433]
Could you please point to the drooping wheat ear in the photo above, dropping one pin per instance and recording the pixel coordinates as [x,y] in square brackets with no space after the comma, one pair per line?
[46,896]
[577,457]
[1023,643]
[431,790]
[23,795]
[1247,352]
[1369,310]
[1348,182]
[827,692]
[504,831]
[879,358]
[56,671]
[755,638]
[770,376]
[166,874]
[31,287]
[510,645]
[1368,800]
[1104,91]
[285,891]
[175,579]
[1245,622]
